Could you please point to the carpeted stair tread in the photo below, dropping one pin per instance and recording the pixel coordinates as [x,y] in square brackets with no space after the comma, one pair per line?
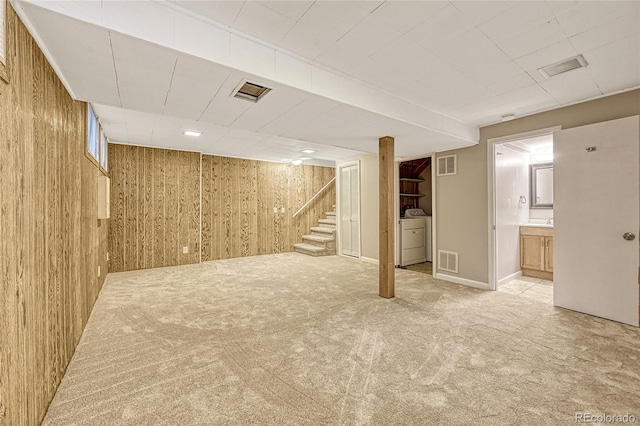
[318,238]
[323,229]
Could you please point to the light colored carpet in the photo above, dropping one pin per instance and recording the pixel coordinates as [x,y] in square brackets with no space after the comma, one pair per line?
[295,340]
[425,268]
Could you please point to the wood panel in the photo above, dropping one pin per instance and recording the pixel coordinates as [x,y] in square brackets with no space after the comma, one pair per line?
[238,201]
[155,206]
[52,242]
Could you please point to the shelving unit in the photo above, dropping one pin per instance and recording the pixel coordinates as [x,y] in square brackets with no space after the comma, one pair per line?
[410,191]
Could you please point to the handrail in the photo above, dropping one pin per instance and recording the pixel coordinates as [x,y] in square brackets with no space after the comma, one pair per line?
[314,197]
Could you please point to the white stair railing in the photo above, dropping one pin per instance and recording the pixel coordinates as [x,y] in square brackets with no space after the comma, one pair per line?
[305,205]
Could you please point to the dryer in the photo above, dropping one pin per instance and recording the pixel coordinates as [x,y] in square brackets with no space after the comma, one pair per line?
[415,237]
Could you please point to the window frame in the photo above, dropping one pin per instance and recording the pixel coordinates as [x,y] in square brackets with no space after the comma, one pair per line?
[93,131]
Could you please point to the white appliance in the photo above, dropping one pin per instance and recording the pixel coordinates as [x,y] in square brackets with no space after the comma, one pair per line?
[415,237]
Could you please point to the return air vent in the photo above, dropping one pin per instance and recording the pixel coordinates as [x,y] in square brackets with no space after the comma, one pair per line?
[564,66]
[249,91]
[448,261]
[447,165]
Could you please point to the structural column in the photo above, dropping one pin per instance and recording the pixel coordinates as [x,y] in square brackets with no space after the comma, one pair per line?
[387,218]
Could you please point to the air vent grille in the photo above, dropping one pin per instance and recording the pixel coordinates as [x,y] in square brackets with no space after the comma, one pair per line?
[447,165]
[564,66]
[250,91]
[448,261]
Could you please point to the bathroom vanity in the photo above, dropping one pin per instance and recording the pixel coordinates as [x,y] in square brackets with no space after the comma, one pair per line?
[536,251]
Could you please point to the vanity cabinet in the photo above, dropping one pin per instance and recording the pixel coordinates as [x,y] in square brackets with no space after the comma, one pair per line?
[536,252]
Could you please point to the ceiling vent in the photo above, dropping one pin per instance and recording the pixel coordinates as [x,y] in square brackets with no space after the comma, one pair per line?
[250,91]
[564,66]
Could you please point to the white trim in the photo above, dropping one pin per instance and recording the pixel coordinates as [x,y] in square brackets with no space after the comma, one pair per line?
[508,278]
[463,281]
[491,199]
[370,260]
[201,174]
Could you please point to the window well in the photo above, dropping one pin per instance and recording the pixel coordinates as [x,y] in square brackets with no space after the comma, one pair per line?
[250,91]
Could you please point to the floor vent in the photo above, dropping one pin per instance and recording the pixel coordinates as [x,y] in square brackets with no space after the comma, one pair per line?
[447,165]
[448,261]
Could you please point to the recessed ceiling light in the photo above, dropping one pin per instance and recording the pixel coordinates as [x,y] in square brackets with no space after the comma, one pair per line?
[563,66]
[191,133]
[296,162]
[307,151]
[249,91]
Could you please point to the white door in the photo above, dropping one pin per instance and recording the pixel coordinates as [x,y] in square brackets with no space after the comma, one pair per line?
[596,202]
[350,210]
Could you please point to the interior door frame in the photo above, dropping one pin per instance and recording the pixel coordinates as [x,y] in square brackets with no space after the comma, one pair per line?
[339,209]
[491,193]
[399,160]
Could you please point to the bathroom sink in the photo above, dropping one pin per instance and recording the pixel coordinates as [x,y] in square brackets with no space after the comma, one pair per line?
[539,225]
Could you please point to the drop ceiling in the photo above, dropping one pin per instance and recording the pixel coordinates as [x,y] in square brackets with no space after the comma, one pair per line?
[343,73]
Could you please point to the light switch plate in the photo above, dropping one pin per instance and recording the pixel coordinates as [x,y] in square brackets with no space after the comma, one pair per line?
[185,250]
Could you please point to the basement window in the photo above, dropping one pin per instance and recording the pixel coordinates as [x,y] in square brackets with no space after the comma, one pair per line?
[250,91]
[93,134]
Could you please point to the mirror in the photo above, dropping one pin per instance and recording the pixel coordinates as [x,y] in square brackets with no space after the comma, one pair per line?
[542,186]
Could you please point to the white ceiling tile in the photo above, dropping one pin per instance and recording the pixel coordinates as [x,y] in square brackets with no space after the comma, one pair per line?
[295,72]
[301,114]
[201,70]
[369,69]
[622,27]
[331,19]
[137,74]
[221,11]
[510,84]
[273,105]
[135,51]
[497,74]
[405,15]
[533,94]
[306,42]
[400,51]
[291,9]
[252,57]
[536,38]
[366,37]
[202,38]
[571,86]
[616,66]
[547,56]
[151,20]
[587,15]
[481,11]
[340,60]
[260,21]
[136,97]
[442,25]
[517,19]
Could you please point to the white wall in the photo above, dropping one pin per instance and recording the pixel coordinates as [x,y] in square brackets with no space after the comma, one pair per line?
[512,182]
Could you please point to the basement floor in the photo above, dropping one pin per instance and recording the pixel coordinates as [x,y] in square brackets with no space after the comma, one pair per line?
[290,339]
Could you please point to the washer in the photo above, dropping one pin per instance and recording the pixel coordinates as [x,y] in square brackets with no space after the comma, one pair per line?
[410,251]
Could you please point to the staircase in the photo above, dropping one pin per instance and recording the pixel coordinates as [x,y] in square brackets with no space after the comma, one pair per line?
[322,241]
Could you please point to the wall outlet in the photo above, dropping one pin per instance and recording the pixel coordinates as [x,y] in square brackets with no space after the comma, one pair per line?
[98,272]
[107,256]
[185,250]
[275,210]
[282,210]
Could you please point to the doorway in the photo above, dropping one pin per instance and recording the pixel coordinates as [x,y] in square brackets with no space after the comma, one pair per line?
[521,217]
[349,209]
[414,208]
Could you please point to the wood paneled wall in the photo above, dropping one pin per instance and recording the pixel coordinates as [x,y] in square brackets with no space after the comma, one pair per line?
[51,242]
[238,201]
[155,207]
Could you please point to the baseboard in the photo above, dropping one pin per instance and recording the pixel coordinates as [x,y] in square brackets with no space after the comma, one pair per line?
[463,281]
[369,260]
[509,277]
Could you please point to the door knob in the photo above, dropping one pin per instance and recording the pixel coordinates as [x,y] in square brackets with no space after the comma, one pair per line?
[628,236]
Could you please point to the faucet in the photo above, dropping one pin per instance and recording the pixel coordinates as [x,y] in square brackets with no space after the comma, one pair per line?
[550,221]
